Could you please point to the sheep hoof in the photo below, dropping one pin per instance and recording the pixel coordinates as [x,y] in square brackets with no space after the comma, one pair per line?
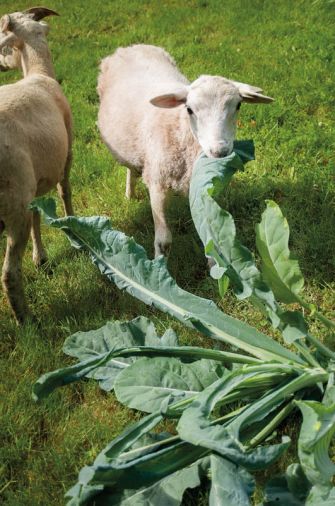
[40,261]
[162,249]
[24,318]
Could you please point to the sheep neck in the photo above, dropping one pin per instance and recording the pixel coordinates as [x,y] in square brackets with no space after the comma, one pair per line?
[36,61]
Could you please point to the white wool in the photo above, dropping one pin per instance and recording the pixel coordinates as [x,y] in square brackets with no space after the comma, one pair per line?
[155,122]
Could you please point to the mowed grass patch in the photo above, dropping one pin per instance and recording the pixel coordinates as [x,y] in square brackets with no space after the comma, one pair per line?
[286,48]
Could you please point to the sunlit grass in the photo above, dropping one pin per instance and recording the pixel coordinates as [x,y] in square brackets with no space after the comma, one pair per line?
[285,47]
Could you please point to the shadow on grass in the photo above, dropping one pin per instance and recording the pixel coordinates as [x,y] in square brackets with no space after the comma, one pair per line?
[310,212]
[307,207]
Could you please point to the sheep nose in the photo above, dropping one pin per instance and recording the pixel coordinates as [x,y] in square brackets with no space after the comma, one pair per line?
[219,152]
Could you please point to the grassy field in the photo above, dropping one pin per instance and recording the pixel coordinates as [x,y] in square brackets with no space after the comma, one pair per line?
[287,48]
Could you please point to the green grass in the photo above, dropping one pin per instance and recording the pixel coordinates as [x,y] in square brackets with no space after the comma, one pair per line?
[285,47]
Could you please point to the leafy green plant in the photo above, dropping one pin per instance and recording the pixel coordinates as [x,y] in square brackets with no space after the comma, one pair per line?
[126,263]
[225,405]
[280,280]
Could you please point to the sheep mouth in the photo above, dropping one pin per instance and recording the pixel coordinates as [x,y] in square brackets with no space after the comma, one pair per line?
[219,154]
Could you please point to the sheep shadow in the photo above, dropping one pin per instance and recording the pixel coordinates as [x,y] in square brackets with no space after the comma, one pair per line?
[308,207]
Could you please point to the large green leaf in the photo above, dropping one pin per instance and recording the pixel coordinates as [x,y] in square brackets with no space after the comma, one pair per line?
[232,258]
[294,489]
[233,261]
[280,269]
[237,263]
[147,382]
[215,226]
[88,367]
[218,170]
[316,433]
[231,484]
[114,336]
[329,395]
[146,469]
[48,382]
[277,493]
[119,467]
[86,487]
[168,492]
[321,496]
[214,174]
[290,489]
[126,263]
[196,426]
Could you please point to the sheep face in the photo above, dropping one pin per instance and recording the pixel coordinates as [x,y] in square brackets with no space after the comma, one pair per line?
[19,28]
[212,104]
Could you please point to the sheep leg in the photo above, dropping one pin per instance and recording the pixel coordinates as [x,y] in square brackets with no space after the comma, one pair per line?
[17,238]
[64,188]
[163,237]
[130,185]
[39,253]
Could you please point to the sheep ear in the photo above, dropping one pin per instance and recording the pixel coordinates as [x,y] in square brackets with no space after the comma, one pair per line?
[170,100]
[252,94]
[5,23]
[38,13]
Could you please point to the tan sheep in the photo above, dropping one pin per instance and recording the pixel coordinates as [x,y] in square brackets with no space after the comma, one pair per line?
[35,144]
[162,142]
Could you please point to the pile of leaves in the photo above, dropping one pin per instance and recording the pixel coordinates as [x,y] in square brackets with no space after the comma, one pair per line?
[224,406]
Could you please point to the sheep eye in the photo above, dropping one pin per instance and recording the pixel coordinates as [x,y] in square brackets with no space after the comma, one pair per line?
[238,106]
[189,110]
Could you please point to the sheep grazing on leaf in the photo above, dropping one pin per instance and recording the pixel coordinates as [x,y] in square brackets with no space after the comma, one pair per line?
[156,122]
[35,143]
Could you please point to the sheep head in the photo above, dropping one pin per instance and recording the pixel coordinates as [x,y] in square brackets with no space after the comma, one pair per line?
[212,104]
[20,27]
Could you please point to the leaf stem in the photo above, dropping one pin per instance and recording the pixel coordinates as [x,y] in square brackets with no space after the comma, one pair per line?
[229,415]
[174,439]
[302,348]
[187,352]
[276,420]
[320,346]
[153,446]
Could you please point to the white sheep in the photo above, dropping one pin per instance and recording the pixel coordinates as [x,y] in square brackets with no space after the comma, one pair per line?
[162,142]
[35,144]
